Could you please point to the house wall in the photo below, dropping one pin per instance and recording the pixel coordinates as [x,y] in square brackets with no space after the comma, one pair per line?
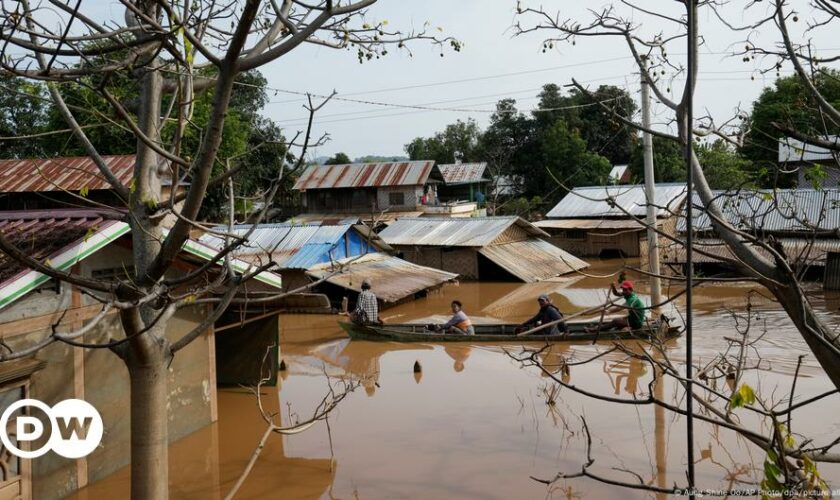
[412,196]
[100,377]
[592,243]
[668,226]
[462,261]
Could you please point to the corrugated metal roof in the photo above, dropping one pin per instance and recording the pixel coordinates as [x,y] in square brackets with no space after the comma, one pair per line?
[591,224]
[64,173]
[463,173]
[793,150]
[591,201]
[802,250]
[533,260]
[282,240]
[407,173]
[63,237]
[392,278]
[453,231]
[781,210]
[337,218]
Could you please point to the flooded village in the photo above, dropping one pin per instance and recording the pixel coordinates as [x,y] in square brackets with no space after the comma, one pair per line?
[203,296]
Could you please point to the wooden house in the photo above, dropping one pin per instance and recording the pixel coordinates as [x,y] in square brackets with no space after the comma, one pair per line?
[463,182]
[606,221]
[483,248]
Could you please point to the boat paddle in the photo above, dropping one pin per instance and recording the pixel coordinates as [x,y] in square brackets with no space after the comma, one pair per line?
[575,315]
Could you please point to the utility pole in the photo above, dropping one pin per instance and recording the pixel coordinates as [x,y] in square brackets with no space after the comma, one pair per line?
[652,240]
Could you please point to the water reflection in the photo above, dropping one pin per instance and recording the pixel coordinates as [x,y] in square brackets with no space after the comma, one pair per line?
[478,425]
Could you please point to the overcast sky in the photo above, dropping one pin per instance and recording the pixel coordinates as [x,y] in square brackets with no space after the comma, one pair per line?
[490,51]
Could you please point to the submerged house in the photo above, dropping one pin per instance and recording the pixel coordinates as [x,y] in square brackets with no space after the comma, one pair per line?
[605,221]
[342,255]
[463,181]
[375,192]
[803,223]
[795,154]
[483,248]
[92,244]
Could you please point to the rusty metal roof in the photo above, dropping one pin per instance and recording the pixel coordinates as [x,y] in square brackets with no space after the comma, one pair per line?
[392,278]
[782,210]
[463,173]
[533,260]
[592,201]
[350,175]
[64,173]
[454,231]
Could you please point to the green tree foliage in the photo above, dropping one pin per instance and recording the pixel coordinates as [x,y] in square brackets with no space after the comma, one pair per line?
[247,136]
[723,166]
[338,159]
[668,162]
[22,113]
[567,161]
[790,104]
[460,138]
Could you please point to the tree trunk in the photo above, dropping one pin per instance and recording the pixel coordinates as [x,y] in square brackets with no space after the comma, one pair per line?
[149,420]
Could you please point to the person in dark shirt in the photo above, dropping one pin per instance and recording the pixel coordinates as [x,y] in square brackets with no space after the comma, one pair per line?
[548,312]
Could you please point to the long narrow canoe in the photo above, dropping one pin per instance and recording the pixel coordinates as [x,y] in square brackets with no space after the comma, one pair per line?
[497,333]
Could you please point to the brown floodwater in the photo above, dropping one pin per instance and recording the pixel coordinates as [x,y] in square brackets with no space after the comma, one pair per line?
[475,423]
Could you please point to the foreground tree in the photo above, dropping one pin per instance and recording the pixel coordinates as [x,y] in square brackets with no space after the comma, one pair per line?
[177,52]
[759,260]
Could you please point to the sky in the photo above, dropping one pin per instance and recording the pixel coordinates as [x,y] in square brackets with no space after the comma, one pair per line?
[496,64]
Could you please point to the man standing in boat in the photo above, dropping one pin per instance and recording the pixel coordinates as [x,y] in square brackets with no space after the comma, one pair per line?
[367,308]
[460,324]
[635,319]
[548,313]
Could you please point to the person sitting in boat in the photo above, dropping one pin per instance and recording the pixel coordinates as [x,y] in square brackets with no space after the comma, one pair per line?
[635,318]
[548,313]
[367,309]
[460,324]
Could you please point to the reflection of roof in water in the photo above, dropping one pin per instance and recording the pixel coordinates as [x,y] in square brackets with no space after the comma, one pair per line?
[527,294]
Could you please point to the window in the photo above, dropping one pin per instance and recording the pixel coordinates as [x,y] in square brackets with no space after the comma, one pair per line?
[113,273]
[396,198]
[576,234]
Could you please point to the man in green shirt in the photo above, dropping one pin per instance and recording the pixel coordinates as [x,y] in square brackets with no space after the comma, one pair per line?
[636,309]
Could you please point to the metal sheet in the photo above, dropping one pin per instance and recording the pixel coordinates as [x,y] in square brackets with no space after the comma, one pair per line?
[797,249]
[282,241]
[783,210]
[463,173]
[453,231]
[793,150]
[592,201]
[591,224]
[407,173]
[64,173]
[533,260]
[392,278]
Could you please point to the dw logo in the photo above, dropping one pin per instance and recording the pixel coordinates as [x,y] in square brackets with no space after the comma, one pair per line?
[76,428]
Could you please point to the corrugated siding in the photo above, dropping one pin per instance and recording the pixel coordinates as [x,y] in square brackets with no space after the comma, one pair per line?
[392,278]
[592,201]
[533,260]
[453,231]
[800,250]
[832,271]
[64,173]
[407,173]
[780,210]
[463,173]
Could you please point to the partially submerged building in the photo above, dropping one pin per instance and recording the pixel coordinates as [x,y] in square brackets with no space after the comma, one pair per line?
[607,221]
[806,158]
[375,192]
[342,255]
[803,223]
[484,248]
[91,244]
[463,182]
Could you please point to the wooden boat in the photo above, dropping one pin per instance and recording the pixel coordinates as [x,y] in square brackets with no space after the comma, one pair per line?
[498,333]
